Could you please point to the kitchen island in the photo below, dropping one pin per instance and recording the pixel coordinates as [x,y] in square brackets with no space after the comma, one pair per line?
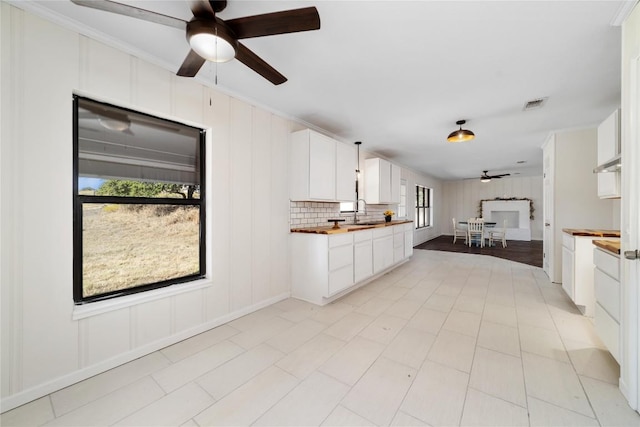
[577,265]
[606,258]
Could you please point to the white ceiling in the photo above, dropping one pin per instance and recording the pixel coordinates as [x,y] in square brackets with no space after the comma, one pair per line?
[396,75]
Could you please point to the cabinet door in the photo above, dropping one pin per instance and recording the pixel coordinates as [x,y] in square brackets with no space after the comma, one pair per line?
[568,267]
[395,184]
[385,181]
[322,167]
[408,243]
[362,260]
[345,173]
[608,147]
[398,245]
[382,253]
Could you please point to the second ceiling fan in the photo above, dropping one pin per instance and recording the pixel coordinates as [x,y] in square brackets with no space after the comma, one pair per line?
[486,178]
[212,39]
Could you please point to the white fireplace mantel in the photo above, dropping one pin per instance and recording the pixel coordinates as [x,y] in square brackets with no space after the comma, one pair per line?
[516,212]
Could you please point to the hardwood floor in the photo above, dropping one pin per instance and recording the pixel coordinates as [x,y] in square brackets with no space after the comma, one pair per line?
[525,252]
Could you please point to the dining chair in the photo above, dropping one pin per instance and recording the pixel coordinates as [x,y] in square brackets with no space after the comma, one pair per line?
[458,232]
[475,228]
[501,233]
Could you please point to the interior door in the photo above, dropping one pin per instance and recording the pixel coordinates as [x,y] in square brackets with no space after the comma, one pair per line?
[548,230]
[630,366]
[630,201]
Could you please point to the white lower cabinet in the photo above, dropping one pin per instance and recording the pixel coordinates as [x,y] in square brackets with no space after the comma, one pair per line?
[382,248]
[398,244]
[607,289]
[323,267]
[362,255]
[408,240]
[577,271]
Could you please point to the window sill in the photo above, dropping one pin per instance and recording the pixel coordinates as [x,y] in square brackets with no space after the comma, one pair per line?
[100,307]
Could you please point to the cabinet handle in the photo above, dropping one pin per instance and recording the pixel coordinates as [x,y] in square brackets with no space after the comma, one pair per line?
[546,224]
[632,254]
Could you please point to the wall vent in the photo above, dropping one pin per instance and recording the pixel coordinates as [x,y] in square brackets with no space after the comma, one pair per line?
[535,103]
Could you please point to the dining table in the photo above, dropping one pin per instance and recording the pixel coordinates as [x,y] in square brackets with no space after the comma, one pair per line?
[487,224]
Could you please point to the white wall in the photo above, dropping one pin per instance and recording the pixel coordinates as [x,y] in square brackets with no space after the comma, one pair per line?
[462,198]
[42,347]
[413,179]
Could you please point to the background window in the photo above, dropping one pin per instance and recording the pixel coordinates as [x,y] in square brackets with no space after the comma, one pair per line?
[423,207]
[402,206]
[139,217]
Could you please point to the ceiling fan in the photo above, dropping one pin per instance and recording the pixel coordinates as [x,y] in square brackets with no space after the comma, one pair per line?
[486,178]
[212,39]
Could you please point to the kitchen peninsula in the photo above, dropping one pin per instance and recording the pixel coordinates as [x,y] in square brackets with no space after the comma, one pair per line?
[327,262]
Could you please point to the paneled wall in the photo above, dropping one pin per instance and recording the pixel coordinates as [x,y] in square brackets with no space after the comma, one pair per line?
[439,204]
[462,198]
[46,341]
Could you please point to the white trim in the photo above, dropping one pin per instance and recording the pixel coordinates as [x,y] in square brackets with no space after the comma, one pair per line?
[43,389]
[100,307]
[624,10]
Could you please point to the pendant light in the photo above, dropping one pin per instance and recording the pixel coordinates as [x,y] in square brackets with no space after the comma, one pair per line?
[460,135]
[357,143]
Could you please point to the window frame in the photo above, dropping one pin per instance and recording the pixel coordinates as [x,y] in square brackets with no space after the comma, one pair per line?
[79,200]
[426,206]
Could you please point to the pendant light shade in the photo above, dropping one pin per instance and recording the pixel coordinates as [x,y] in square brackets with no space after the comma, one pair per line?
[460,135]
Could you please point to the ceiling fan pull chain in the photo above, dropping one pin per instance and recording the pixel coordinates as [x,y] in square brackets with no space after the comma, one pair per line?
[215,79]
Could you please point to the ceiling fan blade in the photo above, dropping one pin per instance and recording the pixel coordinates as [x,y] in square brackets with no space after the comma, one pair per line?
[268,24]
[257,64]
[200,8]
[191,65]
[501,175]
[134,12]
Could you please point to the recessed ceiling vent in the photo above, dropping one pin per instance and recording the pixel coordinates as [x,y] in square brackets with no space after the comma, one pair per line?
[535,103]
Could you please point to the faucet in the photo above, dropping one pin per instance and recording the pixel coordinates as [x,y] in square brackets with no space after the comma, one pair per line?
[355,210]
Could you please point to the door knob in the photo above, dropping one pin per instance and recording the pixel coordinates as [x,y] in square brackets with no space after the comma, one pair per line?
[632,254]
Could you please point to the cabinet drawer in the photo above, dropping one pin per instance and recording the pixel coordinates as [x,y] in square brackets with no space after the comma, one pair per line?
[340,279]
[568,241]
[608,330]
[408,226]
[362,236]
[398,229]
[340,257]
[340,239]
[606,262]
[382,232]
[607,293]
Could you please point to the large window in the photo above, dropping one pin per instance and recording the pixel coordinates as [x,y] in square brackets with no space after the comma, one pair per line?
[423,207]
[139,202]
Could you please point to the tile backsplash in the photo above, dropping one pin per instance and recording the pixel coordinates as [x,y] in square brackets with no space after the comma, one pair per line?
[317,214]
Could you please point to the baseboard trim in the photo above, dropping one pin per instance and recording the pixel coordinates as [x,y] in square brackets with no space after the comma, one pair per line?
[33,393]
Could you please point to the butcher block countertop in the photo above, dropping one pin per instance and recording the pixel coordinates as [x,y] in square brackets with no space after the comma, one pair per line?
[346,228]
[612,246]
[591,232]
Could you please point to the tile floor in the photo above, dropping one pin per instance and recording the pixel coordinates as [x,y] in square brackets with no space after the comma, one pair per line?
[446,339]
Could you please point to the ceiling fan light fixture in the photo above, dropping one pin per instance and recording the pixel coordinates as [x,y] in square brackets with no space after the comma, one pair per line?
[114,124]
[211,40]
[461,135]
[487,179]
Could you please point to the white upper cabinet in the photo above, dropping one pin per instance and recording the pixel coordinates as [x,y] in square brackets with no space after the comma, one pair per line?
[322,168]
[346,164]
[381,182]
[608,148]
